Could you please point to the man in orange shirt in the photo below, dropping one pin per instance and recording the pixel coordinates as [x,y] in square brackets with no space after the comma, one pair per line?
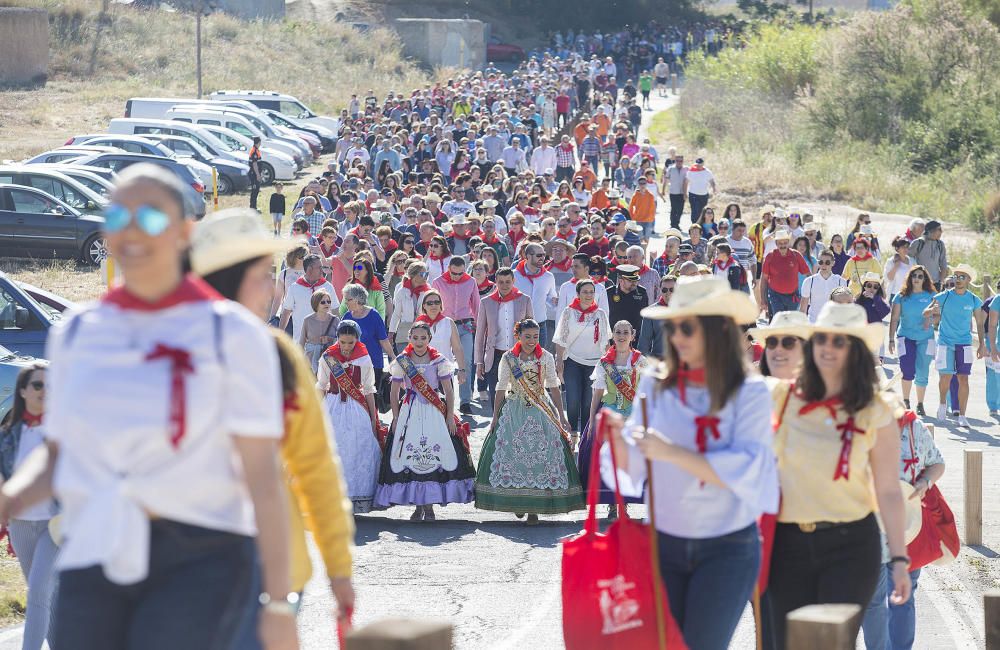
[599,199]
[581,130]
[603,122]
[642,207]
[588,176]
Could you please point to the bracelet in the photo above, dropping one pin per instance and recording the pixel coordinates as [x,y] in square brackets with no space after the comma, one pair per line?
[287,606]
[899,558]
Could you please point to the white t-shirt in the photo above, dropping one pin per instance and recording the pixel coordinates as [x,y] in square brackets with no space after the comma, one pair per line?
[817,289]
[567,292]
[539,289]
[699,181]
[298,298]
[32,438]
[111,399]
[895,285]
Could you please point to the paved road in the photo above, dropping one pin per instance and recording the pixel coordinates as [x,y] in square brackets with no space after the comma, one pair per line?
[498,581]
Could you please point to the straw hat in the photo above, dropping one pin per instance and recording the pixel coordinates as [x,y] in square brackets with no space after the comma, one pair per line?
[784,323]
[228,237]
[433,196]
[549,245]
[705,296]
[614,194]
[871,276]
[848,319]
[673,232]
[490,203]
[782,233]
[913,516]
[633,226]
[966,269]
[459,220]
[532,227]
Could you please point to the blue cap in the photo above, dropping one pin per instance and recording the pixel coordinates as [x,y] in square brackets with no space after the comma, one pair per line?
[619,218]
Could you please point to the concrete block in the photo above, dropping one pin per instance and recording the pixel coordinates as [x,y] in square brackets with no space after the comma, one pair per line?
[24,46]
[442,42]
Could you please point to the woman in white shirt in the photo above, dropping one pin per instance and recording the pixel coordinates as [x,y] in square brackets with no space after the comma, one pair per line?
[580,193]
[713,468]
[438,258]
[164,417]
[581,339]
[21,433]
[897,267]
[444,333]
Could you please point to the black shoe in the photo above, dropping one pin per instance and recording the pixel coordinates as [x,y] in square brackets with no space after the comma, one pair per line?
[906,404]
[465,409]
[955,414]
[920,409]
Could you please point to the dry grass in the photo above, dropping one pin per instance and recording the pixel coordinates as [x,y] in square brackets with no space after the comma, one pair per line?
[93,70]
[13,592]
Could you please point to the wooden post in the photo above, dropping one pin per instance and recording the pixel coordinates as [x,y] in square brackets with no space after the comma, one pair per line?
[401,634]
[673,83]
[991,609]
[973,497]
[823,627]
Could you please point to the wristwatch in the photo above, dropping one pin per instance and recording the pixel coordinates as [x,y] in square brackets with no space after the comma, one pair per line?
[289,605]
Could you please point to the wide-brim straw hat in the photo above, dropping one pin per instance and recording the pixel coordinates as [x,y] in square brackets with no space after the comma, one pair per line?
[966,269]
[913,516]
[673,232]
[851,320]
[784,323]
[490,203]
[871,276]
[633,226]
[705,296]
[228,237]
[549,245]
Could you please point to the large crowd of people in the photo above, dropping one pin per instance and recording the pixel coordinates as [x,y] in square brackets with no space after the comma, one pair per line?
[483,246]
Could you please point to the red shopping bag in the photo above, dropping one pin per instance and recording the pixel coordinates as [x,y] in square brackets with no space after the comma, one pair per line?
[608,581]
[938,541]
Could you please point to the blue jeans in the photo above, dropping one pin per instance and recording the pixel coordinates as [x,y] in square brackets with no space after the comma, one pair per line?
[467,337]
[890,627]
[578,393]
[647,229]
[781,301]
[543,332]
[36,553]
[709,582]
[194,597]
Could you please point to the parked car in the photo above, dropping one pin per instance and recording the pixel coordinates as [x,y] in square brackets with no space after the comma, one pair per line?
[10,367]
[138,144]
[327,138]
[24,321]
[284,104]
[308,147]
[194,189]
[52,181]
[64,154]
[232,176]
[239,124]
[100,180]
[281,165]
[500,51]
[36,224]
[52,303]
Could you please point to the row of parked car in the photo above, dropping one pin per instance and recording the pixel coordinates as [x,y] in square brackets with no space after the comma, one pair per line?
[51,204]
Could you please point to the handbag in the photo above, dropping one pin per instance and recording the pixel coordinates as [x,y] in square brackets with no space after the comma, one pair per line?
[938,541]
[608,583]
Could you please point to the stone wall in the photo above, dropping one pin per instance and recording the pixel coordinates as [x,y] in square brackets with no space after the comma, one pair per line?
[24,46]
[439,42]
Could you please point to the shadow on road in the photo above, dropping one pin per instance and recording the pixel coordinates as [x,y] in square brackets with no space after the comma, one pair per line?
[545,535]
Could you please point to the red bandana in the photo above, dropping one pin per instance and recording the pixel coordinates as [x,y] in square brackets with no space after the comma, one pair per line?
[447,278]
[858,258]
[191,289]
[684,375]
[563,266]
[723,266]
[464,237]
[491,240]
[486,285]
[31,420]
[407,284]
[327,253]
[612,354]
[312,287]
[180,365]
[424,318]
[522,269]
[359,351]
[514,293]
[662,301]
[583,312]
[374,286]
[516,350]
[431,352]
[435,258]
[599,279]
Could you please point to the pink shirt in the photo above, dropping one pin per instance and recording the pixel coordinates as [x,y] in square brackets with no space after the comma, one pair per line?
[459,300]
[340,275]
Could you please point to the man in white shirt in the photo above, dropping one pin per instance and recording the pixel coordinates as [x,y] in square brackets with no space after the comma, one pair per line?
[816,288]
[543,157]
[538,284]
[661,71]
[674,180]
[298,299]
[513,157]
[699,181]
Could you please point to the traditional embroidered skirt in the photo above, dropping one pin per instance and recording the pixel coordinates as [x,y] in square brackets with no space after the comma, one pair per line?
[358,450]
[606,495]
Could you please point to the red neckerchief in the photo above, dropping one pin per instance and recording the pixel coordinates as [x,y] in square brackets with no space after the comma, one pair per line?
[397,274]
[514,293]
[407,284]
[583,312]
[910,464]
[643,269]
[31,420]
[684,375]
[447,278]
[180,365]
[359,351]
[577,223]
[464,237]
[312,287]
[516,237]
[327,253]
[599,279]
[485,286]
[563,266]
[696,168]
[522,269]
[662,301]
[191,289]
[491,240]
[847,430]
[516,350]
[435,258]
[431,352]
[857,258]
[612,354]
[374,286]
[424,318]
[723,267]
[600,243]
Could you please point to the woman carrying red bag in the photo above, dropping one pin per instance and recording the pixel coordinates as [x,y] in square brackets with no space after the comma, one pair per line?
[889,625]
[714,472]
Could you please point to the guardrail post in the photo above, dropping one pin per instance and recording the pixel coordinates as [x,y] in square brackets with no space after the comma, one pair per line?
[991,609]
[973,497]
[673,83]
[823,627]
[401,634]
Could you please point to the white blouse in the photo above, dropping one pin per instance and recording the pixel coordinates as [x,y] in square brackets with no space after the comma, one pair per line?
[122,454]
[578,338]
[31,439]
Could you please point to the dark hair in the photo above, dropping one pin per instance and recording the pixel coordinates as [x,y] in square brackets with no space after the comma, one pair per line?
[583,283]
[311,260]
[928,284]
[227,282]
[369,267]
[739,213]
[725,360]
[857,393]
[598,266]
[526,324]
[301,224]
[349,328]
[899,242]
[421,325]
[366,221]
[505,271]
[582,257]
[16,412]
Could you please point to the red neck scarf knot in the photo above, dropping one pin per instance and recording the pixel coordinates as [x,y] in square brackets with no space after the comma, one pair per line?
[563,266]
[431,352]
[313,286]
[516,350]
[522,268]
[513,295]
[583,312]
[830,405]
[847,431]
[424,318]
[180,365]
[706,425]
[684,375]
[464,278]
[414,291]
[31,420]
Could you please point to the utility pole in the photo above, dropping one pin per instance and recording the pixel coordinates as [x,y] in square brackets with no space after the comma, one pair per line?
[197,43]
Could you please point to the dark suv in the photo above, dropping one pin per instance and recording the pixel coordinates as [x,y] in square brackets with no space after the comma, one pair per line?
[193,189]
[36,224]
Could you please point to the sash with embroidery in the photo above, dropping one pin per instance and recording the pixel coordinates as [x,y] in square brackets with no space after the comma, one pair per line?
[419,383]
[536,400]
[625,386]
[352,390]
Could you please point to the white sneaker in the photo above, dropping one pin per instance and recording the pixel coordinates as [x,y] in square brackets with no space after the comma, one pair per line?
[942,412]
[962,422]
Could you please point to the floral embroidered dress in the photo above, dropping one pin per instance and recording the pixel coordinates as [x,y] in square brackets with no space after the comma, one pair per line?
[526,465]
[423,464]
[606,374]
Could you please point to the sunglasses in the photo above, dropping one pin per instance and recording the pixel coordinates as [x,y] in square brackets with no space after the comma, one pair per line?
[424,274]
[432,302]
[326,302]
[686,328]
[666,289]
[838,341]
[150,220]
[37,385]
[826,262]
[870,285]
[962,276]
[621,257]
[359,267]
[787,342]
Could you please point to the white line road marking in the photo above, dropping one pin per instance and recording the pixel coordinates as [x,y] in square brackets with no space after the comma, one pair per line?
[955,617]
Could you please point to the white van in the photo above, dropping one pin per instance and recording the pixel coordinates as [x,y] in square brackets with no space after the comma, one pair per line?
[242,143]
[273,165]
[250,118]
[284,104]
[236,123]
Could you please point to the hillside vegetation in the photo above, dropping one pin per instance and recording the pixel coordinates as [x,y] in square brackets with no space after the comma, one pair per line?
[892,111]
[98,60]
